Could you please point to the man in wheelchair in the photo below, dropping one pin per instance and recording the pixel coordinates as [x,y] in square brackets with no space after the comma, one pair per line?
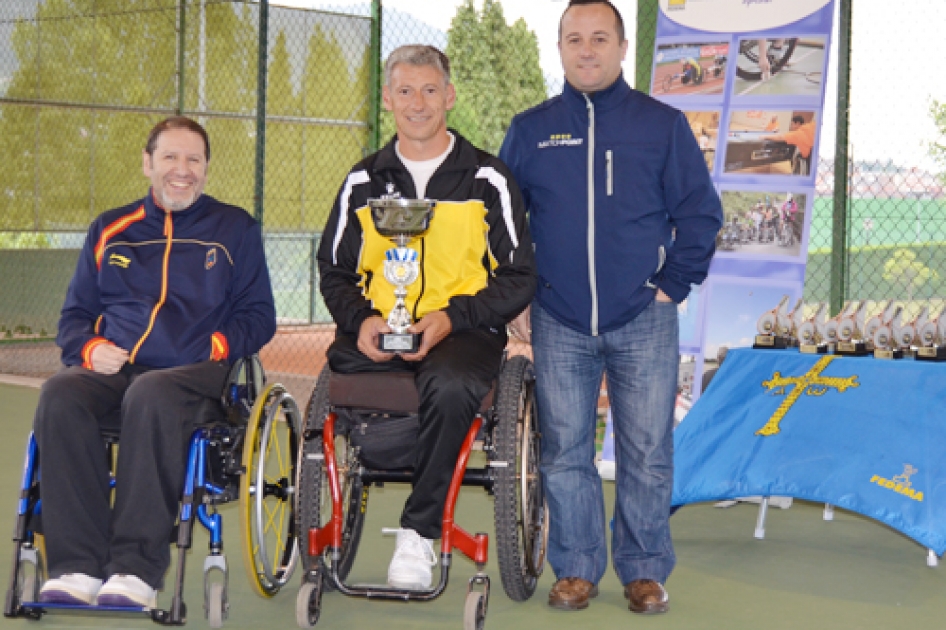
[477,273]
[167,289]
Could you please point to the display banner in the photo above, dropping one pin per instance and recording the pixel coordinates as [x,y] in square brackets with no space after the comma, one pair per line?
[750,77]
[825,428]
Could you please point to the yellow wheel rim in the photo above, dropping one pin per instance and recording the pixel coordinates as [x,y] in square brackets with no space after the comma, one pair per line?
[270,548]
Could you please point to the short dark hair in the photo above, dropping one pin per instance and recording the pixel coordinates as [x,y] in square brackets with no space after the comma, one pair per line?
[177,122]
[798,118]
[618,20]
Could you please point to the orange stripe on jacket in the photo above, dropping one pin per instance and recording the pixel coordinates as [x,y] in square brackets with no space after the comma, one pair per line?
[219,348]
[87,349]
[169,234]
[114,228]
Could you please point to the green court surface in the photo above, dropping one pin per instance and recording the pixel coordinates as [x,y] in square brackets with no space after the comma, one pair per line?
[807,573]
[801,77]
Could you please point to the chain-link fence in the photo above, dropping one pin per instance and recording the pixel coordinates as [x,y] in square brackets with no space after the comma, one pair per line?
[81,82]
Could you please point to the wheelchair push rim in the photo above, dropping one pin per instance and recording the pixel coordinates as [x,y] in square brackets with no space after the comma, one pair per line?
[270,544]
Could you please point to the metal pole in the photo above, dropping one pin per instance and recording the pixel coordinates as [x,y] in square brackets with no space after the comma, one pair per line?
[261,72]
[374,90]
[839,230]
[647,11]
[181,36]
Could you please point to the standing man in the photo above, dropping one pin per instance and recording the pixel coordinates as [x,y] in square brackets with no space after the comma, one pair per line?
[478,273]
[624,218]
[167,291]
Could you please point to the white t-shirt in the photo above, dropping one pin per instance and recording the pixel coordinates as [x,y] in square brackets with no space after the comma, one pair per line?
[423,170]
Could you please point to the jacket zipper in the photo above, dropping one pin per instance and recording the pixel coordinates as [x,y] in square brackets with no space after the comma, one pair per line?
[592,273]
[609,156]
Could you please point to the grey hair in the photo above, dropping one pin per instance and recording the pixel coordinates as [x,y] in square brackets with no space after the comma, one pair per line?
[417,55]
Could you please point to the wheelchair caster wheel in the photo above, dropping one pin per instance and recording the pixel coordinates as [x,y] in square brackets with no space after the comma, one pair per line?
[474,612]
[217,605]
[309,604]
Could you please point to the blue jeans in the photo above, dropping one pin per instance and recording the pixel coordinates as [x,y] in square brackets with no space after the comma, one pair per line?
[641,361]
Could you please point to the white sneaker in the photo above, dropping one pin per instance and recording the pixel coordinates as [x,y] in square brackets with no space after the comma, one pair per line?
[127,590]
[413,558]
[71,588]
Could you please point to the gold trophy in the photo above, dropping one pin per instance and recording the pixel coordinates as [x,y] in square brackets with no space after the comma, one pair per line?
[401,220]
[811,332]
[774,328]
[886,339]
[850,332]
[831,326]
[931,339]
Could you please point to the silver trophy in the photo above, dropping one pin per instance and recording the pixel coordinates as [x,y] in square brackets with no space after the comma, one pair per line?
[401,220]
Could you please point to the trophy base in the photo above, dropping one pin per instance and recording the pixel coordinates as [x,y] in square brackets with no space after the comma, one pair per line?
[770,342]
[813,348]
[934,353]
[852,349]
[407,343]
[888,354]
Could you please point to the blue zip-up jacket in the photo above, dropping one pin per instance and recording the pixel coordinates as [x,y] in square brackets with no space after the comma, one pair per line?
[620,203]
[171,288]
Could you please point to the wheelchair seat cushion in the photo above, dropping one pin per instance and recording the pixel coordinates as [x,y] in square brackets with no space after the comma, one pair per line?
[388,392]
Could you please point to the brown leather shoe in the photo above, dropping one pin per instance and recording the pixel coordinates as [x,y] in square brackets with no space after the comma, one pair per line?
[647,597]
[572,593]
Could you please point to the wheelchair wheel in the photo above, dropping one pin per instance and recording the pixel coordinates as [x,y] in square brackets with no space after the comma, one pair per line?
[474,611]
[309,604]
[313,498]
[521,514]
[216,606]
[749,48]
[270,544]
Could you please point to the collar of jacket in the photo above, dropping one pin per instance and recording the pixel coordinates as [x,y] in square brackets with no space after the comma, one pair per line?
[152,209]
[606,99]
[463,157]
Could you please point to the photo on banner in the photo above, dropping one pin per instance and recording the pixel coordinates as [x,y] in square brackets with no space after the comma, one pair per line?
[764,222]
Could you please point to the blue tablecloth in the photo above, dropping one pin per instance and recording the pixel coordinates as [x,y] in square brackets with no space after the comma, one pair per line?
[863,434]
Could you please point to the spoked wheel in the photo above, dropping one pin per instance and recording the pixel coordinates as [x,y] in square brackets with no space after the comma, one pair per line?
[778,57]
[270,545]
[313,498]
[521,514]
[668,82]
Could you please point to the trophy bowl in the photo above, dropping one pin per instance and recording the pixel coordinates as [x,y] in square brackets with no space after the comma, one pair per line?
[395,218]
[400,220]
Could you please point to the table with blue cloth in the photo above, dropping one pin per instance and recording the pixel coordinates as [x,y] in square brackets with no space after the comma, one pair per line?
[864,434]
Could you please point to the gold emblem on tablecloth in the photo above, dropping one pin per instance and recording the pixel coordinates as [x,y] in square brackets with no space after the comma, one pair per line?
[811,384]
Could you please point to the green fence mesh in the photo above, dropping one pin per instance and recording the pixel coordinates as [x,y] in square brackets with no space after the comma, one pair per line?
[81,82]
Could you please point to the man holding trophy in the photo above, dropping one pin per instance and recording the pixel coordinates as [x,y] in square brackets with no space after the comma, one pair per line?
[425,257]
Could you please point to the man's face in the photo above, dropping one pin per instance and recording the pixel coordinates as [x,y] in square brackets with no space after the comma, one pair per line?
[177,169]
[419,98]
[794,125]
[589,46]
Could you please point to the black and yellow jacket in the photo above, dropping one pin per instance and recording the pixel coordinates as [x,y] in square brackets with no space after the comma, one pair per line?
[476,260]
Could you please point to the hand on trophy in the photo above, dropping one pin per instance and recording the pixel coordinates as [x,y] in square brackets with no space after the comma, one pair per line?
[432,327]
[368,335]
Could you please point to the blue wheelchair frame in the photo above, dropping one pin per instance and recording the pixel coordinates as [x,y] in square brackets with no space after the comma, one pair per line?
[216,473]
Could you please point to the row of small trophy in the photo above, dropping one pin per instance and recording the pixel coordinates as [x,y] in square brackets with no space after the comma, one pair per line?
[852,333]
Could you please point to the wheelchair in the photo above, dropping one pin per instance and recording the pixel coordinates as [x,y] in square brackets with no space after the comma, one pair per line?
[249,456]
[338,465]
